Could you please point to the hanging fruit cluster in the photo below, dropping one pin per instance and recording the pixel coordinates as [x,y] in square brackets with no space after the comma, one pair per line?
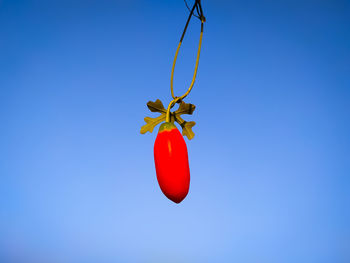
[170,150]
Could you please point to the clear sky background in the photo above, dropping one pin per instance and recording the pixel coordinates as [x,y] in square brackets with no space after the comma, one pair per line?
[270,162]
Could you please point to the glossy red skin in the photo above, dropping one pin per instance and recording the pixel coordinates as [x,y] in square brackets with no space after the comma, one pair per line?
[171,161]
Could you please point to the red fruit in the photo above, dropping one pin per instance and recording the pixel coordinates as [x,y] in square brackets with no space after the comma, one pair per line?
[171,160]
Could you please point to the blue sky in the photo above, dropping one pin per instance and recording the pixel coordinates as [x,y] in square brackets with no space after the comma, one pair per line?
[270,162]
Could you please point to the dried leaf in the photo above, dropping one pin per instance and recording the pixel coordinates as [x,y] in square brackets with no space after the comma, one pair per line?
[151,123]
[186,127]
[185,108]
[156,106]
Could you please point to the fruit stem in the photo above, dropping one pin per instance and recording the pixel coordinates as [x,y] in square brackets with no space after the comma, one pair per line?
[171,104]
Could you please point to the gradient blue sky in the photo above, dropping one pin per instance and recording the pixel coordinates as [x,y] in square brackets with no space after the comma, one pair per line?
[270,162]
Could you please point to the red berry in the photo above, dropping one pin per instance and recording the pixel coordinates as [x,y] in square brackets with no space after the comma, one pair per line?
[171,161]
